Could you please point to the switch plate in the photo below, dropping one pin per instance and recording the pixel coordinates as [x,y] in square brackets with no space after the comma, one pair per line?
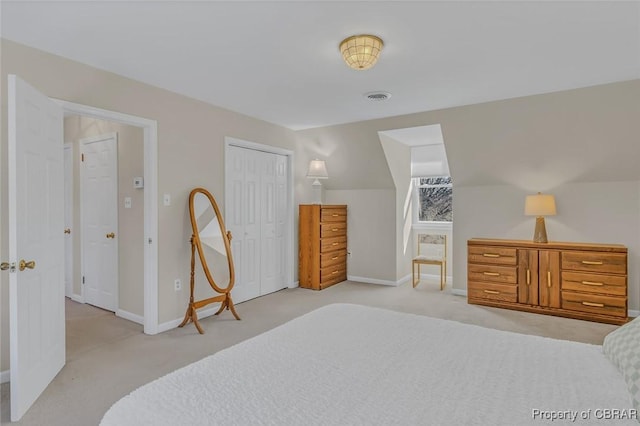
[138,182]
[167,199]
[127,202]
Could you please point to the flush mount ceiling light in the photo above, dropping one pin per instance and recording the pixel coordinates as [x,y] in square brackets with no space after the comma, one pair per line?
[361,52]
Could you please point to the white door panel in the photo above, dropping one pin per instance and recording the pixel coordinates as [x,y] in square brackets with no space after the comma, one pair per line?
[99,188]
[256,185]
[36,225]
[68,220]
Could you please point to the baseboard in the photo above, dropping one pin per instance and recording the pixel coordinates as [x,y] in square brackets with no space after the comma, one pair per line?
[170,325]
[77,298]
[294,284]
[633,313]
[459,292]
[372,280]
[5,376]
[129,316]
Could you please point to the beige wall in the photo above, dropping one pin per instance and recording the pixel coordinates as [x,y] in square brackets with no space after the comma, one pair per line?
[191,146]
[371,236]
[130,233]
[398,157]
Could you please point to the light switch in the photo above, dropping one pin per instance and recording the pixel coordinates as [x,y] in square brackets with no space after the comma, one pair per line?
[127,202]
[167,199]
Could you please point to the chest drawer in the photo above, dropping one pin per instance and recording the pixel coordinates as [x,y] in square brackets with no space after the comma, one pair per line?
[493,273]
[614,285]
[334,243]
[333,214]
[605,305]
[334,229]
[491,291]
[493,255]
[333,258]
[613,263]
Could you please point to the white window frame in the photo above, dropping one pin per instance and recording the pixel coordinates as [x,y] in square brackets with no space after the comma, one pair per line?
[416,203]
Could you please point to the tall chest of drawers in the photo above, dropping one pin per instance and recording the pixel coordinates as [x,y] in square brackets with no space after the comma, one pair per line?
[322,255]
[576,280]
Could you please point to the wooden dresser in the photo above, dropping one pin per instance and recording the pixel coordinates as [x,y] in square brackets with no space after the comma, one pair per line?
[575,280]
[322,245]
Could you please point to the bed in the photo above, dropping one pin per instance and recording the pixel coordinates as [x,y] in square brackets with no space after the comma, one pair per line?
[348,364]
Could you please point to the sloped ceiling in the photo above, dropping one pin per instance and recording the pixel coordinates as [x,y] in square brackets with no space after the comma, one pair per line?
[279,60]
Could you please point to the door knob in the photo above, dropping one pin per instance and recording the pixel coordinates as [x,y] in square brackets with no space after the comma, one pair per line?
[67,231]
[26,265]
[111,235]
[4,266]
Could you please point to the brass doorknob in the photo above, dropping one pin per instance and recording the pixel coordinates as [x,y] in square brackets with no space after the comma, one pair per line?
[67,231]
[4,266]
[26,265]
[111,235]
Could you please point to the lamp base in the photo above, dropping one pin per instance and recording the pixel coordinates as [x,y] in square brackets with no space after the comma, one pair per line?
[317,192]
[540,233]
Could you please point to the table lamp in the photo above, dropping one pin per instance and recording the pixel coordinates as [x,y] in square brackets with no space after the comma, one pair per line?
[540,205]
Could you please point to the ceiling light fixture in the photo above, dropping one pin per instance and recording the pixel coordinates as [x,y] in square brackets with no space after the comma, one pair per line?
[361,52]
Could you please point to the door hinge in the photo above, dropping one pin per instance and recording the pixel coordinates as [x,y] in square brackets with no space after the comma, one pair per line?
[83,279]
[82,157]
[150,240]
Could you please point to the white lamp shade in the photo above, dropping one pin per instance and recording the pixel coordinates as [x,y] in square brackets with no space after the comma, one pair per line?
[317,170]
[540,205]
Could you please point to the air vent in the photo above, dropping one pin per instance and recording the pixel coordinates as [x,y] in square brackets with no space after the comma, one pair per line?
[377,96]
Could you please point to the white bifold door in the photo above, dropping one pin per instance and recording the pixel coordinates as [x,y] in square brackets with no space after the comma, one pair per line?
[256,215]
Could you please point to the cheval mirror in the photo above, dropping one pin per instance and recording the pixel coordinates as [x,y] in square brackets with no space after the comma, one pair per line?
[213,243]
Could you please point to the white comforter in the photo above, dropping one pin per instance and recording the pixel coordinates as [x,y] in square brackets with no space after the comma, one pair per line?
[355,365]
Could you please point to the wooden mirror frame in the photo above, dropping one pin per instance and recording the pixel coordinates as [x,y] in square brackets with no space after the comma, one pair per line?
[225,293]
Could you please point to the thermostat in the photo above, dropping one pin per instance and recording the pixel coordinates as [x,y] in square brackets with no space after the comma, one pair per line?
[138,182]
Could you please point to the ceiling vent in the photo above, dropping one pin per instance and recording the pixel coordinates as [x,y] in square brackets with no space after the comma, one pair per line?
[377,96]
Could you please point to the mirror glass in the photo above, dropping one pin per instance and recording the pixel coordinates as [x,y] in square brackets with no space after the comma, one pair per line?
[211,240]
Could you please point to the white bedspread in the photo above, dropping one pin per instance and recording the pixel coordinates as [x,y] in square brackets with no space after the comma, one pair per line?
[355,365]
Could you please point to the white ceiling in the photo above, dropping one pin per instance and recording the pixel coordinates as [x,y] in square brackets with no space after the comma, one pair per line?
[279,61]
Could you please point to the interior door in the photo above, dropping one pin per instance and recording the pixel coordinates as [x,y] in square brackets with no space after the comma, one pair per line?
[99,192]
[36,243]
[68,219]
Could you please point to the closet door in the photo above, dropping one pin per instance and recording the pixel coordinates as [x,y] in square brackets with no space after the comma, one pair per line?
[256,185]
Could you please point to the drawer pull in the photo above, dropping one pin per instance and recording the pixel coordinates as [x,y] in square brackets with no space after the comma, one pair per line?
[335,215]
[592,262]
[594,305]
[334,272]
[548,279]
[490,255]
[492,274]
[592,283]
[334,229]
[334,257]
[335,244]
[491,292]
[528,277]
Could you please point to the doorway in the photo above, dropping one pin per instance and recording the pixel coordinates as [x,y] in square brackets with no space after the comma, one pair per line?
[148,203]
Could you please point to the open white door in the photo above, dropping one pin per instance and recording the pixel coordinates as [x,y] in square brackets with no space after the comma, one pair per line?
[36,243]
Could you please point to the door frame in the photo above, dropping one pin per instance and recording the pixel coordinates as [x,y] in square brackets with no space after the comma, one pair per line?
[150,135]
[83,263]
[289,228]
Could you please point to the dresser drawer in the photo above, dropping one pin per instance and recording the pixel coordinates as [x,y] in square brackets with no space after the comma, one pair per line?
[333,258]
[331,244]
[493,273]
[333,274]
[333,229]
[328,214]
[493,255]
[605,305]
[614,263]
[490,291]
[613,285]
